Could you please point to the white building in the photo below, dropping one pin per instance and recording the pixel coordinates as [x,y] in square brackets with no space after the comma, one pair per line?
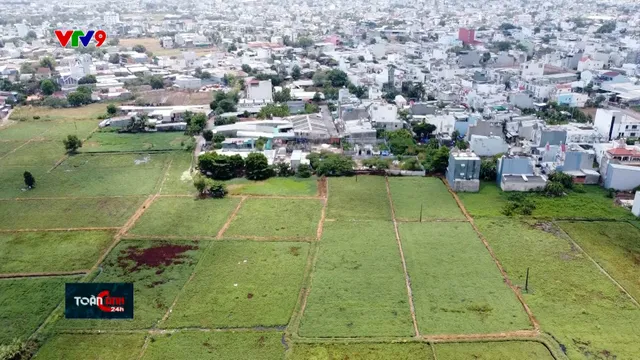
[587,63]
[188,82]
[385,116]
[167,42]
[111,18]
[617,123]
[532,70]
[259,90]
[22,30]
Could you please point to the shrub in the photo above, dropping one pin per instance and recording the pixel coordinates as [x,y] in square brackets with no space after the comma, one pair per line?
[283,169]
[518,204]
[579,188]
[564,179]
[218,190]
[304,171]
[553,189]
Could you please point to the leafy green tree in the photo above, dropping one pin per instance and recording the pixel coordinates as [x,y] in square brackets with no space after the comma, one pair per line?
[114,58]
[48,62]
[330,164]
[27,68]
[488,169]
[88,79]
[218,189]
[303,171]
[139,48]
[112,110]
[72,143]
[411,164]
[283,169]
[29,180]
[246,68]
[376,162]
[565,179]
[207,135]
[554,189]
[271,110]
[304,42]
[78,98]
[257,167]
[200,183]
[156,82]
[216,166]
[437,160]
[295,72]
[282,96]
[47,87]
[423,130]
[317,97]
[237,165]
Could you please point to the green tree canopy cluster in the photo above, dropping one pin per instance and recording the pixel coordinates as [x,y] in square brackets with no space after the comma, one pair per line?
[329,164]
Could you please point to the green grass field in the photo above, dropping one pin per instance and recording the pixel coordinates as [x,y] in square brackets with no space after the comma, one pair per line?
[89,112]
[8,145]
[36,153]
[242,284]
[67,213]
[593,204]
[98,347]
[615,246]
[228,346]
[290,186]
[26,303]
[184,216]
[503,350]
[358,286]
[571,298]
[158,270]
[179,179]
[409,193]
[51,251]
[112,141]
[61,129]
[411,351]
[364,199]
[276,217]
[23,131]
[457,288]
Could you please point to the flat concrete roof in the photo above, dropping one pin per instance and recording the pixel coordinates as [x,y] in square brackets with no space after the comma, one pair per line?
[520,179]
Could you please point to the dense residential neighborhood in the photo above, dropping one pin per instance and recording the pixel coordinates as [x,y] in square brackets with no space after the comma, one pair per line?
[299,180]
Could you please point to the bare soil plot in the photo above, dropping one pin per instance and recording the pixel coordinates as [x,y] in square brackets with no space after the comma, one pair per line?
[457,288]
[570,297]
[158,270]
[185,216]
[276,217]
[89,112]
[357,287]
[242,284]
[92,346]
[67,213]
[51,251]
[105,141]
[26,303]
[214,345]
[358,198]
[410,194]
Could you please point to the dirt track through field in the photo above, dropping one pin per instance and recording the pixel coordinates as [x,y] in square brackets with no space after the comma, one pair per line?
[58,229]
[231,217]
[43,274]
[532,319]
[66,156]
[404,262]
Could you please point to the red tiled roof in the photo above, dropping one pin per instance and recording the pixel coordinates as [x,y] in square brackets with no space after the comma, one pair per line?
[623,152]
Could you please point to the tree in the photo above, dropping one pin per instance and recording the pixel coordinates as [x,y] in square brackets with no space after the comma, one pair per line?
[200,183]
[47,87]
[114,58]
[436,161]
[113,42]
[196,123]
[400,141]
[411,164]
[536,30]
[317,97]
[304,42]
[271,110]
[227,105]
[218,138]
[139,48]
[232,47]
[282,96]
[218,167]
[246,68]
[156,82]
[304,171]
[462,145]
[565,179]
[26,68]
[78,98]
[207,135]
[31,35]
[48,62]
[423,130]
[376,162]
[503,45]
[488,169]
[607,27]
[29,180]
[283,169]
[217,189]
[295,72]
[338,78]
[88,79]
[553,189]
[72,143]
[335,165]
[112,110]
[257,167]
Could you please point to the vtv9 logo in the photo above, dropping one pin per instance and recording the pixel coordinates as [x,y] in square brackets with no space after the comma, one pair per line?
[78,36]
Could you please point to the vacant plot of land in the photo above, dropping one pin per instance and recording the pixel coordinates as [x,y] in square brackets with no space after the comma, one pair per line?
[116,161]
[158,270]
[457,288]
[153,45]
[12,180]
[290,186]
[277,217]
[61,129]
[412,351]
[571,298]
[615,246]
[228,346]
[113,141]
[51,251]
[358,198]
[592,204]
[22,131]
[242,284]
[67,213]
[8,146]
[179,179]
[89,112]
[35,153]
[358,286]
[410,193]
[504,350]
[84,346]
[185,216]
[26,303]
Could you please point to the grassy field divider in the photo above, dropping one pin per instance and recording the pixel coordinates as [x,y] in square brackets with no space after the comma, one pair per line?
[407,280]
[231,217]
[59,229]
[66,156]
[69,197]
[312,258]
[43,274]
[532,319]
[602,270]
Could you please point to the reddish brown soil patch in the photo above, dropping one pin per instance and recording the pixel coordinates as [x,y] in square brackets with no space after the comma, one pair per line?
[249,295]
[322,187]
[294,250]
[134,259]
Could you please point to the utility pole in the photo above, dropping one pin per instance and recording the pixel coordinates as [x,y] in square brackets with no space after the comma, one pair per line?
[526,282]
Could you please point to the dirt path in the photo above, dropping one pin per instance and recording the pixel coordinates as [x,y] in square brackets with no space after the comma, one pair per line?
[323,183]
[231,217]
[43,274]
[532,319]
[404,262]
[480,337]
[71,197]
